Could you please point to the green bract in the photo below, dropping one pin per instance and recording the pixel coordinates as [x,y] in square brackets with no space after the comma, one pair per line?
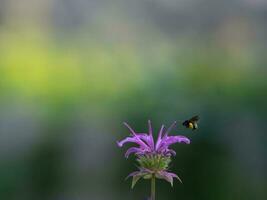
[154,162]
[153,166]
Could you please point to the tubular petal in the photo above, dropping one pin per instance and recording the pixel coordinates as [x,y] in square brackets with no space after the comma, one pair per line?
[150,131]
[159,137]
[133,150]
[133,174]
[178,138]
[130,129]
[148,139]
[170,128]
[133,140]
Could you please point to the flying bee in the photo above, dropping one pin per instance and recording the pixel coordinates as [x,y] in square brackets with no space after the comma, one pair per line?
[191,123]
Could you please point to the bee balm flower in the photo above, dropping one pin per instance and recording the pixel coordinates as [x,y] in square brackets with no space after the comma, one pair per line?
[153,156]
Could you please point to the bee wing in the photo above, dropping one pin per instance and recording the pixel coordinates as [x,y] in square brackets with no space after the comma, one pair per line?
[195,118]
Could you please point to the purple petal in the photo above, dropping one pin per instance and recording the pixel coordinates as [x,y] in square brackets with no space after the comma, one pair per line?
[126,140]
[174,176]
[171,152]
[136,140]
[145,170]
[145,137]
[136,177]
[133,150]
[178,138]
[159,137]
[136,173]
[168,176]
[148,139]
[135,135]
[170,128]
[150,135]
[169,140]
[164,175]
[130,129]
[149,127]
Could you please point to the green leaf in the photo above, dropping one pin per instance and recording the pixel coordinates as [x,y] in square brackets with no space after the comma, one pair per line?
[135,179]
[179,179]
[169,179]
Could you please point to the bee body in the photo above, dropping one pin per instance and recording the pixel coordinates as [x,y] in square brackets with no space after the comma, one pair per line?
[191,123]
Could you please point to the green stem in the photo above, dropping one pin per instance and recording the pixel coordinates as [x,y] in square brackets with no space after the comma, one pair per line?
[153,187]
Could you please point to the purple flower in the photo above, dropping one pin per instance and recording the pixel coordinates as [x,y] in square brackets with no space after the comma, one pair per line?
[153,156]
[146,144]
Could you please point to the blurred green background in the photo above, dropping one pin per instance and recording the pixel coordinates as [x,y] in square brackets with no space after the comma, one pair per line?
[71,71]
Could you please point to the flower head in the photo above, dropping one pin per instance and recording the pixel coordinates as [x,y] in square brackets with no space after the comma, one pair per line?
[153,156]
